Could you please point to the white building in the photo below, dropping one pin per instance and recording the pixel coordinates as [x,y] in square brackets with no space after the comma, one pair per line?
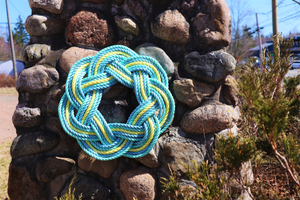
[6,67]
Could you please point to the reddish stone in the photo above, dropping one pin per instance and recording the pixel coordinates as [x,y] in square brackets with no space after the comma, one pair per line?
[214,29]
[21,186]
[138,184]
[88,29]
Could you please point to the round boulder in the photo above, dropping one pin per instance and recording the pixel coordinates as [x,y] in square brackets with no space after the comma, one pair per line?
[27,117]
[41,25]
[148,49]
[37,79]
[171,26]
[138,184]
[32,143]
[35,52]
[209,119]
[72,55]
[211,67]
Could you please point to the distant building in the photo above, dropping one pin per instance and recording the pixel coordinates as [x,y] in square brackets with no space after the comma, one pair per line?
[269,48]
[6,67]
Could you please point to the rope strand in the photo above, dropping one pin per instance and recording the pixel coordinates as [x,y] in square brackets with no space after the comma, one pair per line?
[86,80]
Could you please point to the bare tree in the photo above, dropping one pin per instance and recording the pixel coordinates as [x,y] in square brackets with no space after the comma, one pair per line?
[4,46]
[242,40]
[296,1]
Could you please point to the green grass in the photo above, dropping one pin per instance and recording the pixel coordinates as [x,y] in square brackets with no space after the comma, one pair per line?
[4,164]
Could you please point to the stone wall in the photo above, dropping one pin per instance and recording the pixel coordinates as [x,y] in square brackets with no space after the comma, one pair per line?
[187,37]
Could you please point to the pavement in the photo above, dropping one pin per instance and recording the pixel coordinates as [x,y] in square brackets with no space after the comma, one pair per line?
[8,105]
[293,72]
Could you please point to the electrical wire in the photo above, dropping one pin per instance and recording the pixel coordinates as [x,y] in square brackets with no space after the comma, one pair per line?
[16,9]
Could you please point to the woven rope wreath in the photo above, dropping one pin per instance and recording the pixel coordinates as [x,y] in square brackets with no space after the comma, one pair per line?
[82,120]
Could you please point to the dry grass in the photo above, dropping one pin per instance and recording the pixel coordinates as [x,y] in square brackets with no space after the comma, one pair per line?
[4,164]
[4,150]
[7,81]
[8,91]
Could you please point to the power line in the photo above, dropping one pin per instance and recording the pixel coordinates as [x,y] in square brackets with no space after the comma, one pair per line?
[266,13]
[283,19]
[16,9]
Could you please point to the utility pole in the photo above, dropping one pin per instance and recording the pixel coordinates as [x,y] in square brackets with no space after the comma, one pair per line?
[260,46]
[275,17]
[11,43]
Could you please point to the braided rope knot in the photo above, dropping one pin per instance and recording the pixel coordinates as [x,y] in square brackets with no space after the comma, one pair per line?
[78,108]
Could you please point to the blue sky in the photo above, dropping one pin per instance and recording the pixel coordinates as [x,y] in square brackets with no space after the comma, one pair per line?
[288,14]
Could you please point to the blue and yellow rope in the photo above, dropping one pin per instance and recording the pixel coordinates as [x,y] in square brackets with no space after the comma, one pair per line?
[82,120]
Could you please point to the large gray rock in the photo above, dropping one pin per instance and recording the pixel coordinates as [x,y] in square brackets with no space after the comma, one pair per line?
[37,79]
[53,6]
[32,143]
[211,67]
[178,153]
[41,25]
[90,164]
[127,24]
[191,92]
[148,49]
[48,168]
[35,52]
[171,26]
[72,55]
[209,119]
[27,117]
[88,187]
[138,184]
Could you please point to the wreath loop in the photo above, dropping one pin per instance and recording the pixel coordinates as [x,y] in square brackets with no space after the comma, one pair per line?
[78,108]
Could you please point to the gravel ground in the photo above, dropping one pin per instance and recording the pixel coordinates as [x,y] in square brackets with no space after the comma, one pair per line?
[8,103]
